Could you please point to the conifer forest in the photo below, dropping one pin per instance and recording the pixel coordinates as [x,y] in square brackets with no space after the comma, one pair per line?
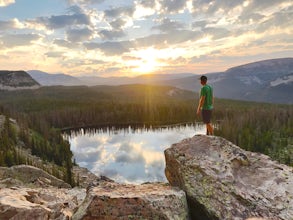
[43,114]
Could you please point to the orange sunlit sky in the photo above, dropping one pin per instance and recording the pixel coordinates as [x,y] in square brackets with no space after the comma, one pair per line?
[128,38]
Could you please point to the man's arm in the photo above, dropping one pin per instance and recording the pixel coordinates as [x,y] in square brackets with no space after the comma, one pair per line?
[200,104]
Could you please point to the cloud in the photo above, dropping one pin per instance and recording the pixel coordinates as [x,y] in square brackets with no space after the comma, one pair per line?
[119,11]
[75,9]
[118,23]
[168,25]
[85,2]
[129,158]
[195,28]
[251,18]
[148,3]
[54,54]
[6,25]
[111,48]
[14,40]
[129,153]
[90,157]
[200,24]
[216,33]
[79,35]
[62,21]
[171,6]
[165,40]
[65,43]
[4,3]
[111,34]
[281,19]
[255,6]
[210,7]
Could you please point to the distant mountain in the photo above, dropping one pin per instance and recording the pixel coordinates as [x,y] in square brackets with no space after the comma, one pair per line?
[47,79]
[269,80]
[263,81]
[13,80]
[142,79]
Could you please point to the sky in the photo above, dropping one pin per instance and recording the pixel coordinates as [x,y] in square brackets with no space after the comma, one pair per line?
[129,38]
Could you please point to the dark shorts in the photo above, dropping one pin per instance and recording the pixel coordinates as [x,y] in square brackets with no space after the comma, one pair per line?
[206,116]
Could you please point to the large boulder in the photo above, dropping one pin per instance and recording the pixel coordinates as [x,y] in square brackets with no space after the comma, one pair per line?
[39,203]
[110,200]
[222,181]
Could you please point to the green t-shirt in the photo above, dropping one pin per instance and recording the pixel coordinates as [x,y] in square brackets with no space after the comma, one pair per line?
[207,91]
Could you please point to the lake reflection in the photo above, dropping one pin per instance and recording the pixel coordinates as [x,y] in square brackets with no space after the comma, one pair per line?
[128,155]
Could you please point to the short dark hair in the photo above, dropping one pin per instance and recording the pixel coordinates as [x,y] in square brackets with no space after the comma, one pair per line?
[203,78]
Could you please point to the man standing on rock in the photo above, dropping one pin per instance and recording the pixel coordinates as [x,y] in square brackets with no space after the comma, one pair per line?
[205,105]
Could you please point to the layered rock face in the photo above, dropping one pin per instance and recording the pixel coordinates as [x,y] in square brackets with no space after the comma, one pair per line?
[222,181]
[109,200]
[13,80]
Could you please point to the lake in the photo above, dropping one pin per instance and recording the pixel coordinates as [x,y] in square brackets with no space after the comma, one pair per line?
[128,155]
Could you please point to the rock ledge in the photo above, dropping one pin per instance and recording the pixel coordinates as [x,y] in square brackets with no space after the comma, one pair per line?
[222,181]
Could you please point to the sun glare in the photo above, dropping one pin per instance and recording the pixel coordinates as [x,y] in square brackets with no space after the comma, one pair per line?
[147,61]
[146,66]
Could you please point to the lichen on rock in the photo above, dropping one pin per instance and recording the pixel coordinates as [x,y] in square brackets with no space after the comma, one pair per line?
[222,181]
[110,200]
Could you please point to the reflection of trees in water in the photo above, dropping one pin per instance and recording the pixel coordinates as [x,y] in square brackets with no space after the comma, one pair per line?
[125,128]
[132,153]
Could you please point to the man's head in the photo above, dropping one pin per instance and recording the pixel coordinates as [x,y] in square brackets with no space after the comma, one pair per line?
[203,80]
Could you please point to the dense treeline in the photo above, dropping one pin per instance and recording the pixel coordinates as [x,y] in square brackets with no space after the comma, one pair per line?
[265,128]
[63,107]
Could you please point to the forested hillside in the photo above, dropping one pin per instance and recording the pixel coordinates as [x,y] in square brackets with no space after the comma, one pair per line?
[265,128]
[18,144]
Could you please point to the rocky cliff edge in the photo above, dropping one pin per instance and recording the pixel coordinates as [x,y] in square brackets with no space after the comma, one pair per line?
[222,181]
[210,178]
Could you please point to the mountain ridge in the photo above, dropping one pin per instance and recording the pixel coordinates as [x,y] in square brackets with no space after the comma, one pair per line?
[47,79]
[257,81]
[14,80]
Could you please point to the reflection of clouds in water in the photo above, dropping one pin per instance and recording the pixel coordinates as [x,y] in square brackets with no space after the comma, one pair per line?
[125,172]
[128,156]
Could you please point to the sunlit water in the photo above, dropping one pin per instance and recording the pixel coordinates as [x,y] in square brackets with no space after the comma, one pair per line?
[128,155]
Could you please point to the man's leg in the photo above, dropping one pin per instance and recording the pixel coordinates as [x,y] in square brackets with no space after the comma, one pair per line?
[210,129]
[206,115]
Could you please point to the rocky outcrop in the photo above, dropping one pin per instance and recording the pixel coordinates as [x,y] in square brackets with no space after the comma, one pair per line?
[222,181]
[84,178]
[13,80]
[211,179]
[110,200]
[27,192]
[39,203]
[24,175]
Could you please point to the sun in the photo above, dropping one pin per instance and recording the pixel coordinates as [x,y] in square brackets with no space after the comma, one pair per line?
[147,61]
[148,65]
